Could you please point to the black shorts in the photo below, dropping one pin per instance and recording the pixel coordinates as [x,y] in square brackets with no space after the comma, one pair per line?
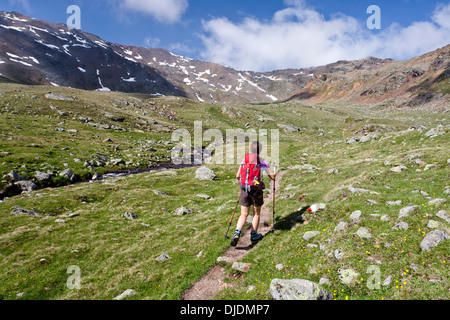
[254,198]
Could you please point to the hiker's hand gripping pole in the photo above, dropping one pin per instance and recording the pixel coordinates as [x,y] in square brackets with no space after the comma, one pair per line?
[232,217]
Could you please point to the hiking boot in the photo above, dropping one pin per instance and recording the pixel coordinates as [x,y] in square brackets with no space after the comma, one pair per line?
[255,238]
[235,239]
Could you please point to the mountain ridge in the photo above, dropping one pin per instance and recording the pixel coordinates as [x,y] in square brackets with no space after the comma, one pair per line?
[38,52]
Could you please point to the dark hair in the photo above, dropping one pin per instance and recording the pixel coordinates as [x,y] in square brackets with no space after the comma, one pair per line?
[256,147]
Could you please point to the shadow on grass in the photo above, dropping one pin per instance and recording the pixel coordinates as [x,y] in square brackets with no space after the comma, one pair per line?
[287,222]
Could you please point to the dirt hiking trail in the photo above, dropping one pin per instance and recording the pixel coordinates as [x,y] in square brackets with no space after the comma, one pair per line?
[212,282]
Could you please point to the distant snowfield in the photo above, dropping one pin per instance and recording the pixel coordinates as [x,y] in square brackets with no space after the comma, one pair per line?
[17,59]
[129,80]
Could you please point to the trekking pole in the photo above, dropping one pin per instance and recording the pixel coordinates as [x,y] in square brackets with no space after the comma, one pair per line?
[232,217]
[273,199]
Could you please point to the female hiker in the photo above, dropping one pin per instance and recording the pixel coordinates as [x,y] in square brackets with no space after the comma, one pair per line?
[250,176]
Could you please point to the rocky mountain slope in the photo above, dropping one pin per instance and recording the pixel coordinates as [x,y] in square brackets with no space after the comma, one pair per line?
[414,82]
[39,52]
[34,51]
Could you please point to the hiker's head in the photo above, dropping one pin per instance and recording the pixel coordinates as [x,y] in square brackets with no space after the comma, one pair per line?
[256,147]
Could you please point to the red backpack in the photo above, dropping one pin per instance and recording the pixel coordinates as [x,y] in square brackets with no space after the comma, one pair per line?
[251,174]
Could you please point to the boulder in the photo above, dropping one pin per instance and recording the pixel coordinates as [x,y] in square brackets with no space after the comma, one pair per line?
[432,239]
[298,289]
[406,211]
[58,96]
[355,215]
[130,215]
[181,211]
[42,176]
[443,215]
[205,173]
[165,256]
[401,225]
[363,233]
[347,276]
[288,128]
[341,226]
[241,266]
[66,173]
[126,294]
[19,210]
[26,185]
[437,202]
[15,176]
[310,234]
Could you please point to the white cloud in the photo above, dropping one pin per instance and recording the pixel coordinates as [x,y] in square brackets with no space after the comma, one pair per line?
[168,11]
[152,42]
[299,36]
[23,4]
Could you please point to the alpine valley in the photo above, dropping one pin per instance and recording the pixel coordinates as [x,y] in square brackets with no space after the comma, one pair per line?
[35,52]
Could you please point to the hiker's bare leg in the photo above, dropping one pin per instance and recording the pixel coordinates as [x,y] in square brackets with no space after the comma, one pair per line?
[256,218]
[243,218]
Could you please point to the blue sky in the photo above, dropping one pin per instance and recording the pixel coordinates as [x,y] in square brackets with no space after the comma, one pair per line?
[259,35]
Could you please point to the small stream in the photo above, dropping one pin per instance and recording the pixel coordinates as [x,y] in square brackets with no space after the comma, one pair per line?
[113,174]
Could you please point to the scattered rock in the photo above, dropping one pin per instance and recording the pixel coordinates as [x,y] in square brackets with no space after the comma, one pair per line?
[353,190]
[97,176]
[324,281]
[205,173]
[355,215]
[15,176]
[160,193]
[130,215]
[58,96]
[204,196]
[338,254]
[279,266]
[363,233]
[42,176]
[19,210]
[126,294]
[398,169]
[437,202]
[443,215]
[401,225]
[225,259]
[435,132]
[347,276]
[165,256]
[241,266]
[181,211]
[387,281]
[432,239]
[310,234]
[66,173]
[432,224]
[115,118]
[116,162]
[341,226]
[298,289]
[26,185]
[394,203]
[429,166]
[288,128]
[406,211]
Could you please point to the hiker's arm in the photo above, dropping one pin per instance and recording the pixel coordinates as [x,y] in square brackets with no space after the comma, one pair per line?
[238,173]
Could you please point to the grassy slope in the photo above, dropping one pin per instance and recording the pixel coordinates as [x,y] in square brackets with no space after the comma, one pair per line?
[115,254]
